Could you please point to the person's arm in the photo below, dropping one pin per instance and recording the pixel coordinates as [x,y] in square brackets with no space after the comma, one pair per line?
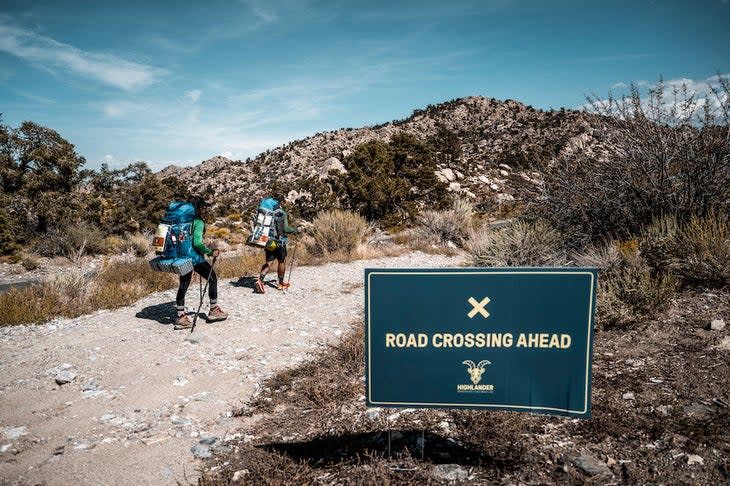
[198,230]
[289,229]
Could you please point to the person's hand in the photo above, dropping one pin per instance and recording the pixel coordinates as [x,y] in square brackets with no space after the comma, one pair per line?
[216,253]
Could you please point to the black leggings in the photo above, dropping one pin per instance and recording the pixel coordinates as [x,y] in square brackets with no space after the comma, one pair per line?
[204,270]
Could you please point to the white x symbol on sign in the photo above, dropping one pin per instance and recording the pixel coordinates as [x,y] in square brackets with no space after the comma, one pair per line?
[478,307]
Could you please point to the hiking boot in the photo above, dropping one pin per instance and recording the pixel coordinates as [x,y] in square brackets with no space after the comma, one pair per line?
[216,315]
[283,286]
[183,322]
[258,287]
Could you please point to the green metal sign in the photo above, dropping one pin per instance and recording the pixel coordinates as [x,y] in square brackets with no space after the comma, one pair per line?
[491,338]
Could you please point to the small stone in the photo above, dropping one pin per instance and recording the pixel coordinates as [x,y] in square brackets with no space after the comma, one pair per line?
[698,410]
[92,385]
[64,377]
[239,474]
[373,413]
[717,325]
[15,432]
[209,440]
[724,344]
[628,396]
[695,459]
[664,410]
[107,417]
[200,450]
[451,472]
[590,466]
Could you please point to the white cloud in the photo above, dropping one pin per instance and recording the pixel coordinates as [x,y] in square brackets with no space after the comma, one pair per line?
[193,95]
[700,90]
[48,54]
[119,109]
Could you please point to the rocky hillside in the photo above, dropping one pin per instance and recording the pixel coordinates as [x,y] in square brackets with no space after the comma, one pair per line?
[501,146]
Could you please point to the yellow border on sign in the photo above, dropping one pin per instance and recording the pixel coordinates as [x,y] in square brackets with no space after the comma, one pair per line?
[479,405]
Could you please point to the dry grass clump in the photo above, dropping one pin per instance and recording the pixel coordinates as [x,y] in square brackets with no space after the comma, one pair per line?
[241,265]
[629,290]
[75,293]
[697,251]
[37,303]
[632,295]
[448,227]
[705,244]
[522,244]
[139,244]
[336,233]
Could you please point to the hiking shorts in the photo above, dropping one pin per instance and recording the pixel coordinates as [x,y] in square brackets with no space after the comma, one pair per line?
[279,253]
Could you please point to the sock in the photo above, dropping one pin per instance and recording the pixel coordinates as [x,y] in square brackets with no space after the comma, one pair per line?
[180,311]
[213,304]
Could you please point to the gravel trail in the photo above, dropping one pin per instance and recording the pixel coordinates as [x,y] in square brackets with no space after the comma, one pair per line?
[142,397]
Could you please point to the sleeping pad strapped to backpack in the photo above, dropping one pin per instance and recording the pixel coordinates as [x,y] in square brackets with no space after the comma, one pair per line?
[268,225]
[173,241]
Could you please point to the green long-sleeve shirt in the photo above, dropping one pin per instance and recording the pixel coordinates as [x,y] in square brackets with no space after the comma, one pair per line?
[198,231]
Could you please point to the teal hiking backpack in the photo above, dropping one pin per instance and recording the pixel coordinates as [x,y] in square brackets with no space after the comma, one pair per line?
[173,241]
[268,224]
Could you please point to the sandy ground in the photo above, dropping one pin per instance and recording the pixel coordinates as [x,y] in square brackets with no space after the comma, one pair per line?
[143,395]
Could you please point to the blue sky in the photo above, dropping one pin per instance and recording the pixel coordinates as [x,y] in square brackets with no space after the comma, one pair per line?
[180,82]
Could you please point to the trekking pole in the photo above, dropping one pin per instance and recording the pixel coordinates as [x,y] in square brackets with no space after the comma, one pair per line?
[202,295]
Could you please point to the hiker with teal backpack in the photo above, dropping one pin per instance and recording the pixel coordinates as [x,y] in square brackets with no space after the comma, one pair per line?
[271,230]
[202,268]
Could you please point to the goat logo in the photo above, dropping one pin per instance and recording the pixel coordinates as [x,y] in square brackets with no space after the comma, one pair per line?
[476,370]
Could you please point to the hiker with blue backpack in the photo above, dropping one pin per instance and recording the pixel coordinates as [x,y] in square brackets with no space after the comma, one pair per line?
[202,268]
[180,249]
[271,230]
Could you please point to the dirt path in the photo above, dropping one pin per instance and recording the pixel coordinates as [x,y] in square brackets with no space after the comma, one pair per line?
[143,395]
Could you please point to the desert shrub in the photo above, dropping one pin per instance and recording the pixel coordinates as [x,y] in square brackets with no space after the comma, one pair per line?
[136,270]
[8,245]
[215,232]
[113,245]
[391,182]
[138,244]
[629,289]
[239,265]
[606,257]
[697,251]
[337,231]
[704,246]
[659,244]
[522,244]
[30,262]
[37,303]
[73,288]
[446,226]
[632,295]
[78,292]
[656,156]
[72,242]
[234,217]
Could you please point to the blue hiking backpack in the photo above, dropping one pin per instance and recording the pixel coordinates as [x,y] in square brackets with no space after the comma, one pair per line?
[268,225]
[173,241]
